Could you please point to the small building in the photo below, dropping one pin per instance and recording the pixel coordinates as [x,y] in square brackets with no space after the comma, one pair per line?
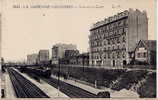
[71,53]
[77,59]
[73,60]
[145,52]
[81,59]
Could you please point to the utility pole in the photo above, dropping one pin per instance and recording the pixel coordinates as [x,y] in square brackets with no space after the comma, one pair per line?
[83,60]
[58,76]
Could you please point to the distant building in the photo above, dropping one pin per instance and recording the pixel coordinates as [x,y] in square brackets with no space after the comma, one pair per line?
[71,53]
[145,52]
[43,57]
[58,51]
[2,61]
[113,40]
[32,59]
[70,56]
[83,59]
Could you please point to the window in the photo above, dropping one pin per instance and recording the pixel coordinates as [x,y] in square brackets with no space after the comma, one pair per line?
[108,55]
[124,30]
[113,55]
[104,49]
[104,56]
[106,34]
[123,39]
[114,25]
[144,54]
[97,57]
[119,23]
[125,22]
[113,41]
[108,48]
[124,47]
[118,55]
[108,41]
[104,42]
[113,48]
[118,40]
[123,55]
[100,43]
[118,47]
[138,54]
[115,32]
[110,27]
[105,28]
[97,30]
[110,33]
[121,31]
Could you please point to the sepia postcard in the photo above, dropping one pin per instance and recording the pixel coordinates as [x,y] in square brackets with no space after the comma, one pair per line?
[78,49]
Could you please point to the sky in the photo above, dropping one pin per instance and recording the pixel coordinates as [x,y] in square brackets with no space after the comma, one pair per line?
[27,30]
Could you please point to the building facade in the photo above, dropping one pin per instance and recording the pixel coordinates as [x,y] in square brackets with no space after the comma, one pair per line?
[145,52]
[58,51]
[43,57]
[79,60]
[71,53]
[83,59]
[113,40]
[32,59]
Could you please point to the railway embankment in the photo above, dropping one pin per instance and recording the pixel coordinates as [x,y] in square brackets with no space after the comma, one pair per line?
[140,81]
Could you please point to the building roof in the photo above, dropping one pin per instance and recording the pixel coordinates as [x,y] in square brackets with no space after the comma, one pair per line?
[116,17]
[149,44]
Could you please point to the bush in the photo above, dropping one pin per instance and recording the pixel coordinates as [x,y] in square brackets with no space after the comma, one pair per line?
[148,88]
[128,78]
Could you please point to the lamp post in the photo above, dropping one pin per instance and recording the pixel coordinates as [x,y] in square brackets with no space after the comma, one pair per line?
[58,76]
[83,60]
[101,59]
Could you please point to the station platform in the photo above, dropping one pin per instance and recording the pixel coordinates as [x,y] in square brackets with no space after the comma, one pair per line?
[45,87]
[9,87]
[114,94]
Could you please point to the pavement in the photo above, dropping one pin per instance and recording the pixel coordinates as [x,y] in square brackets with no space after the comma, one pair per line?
[114,94]
[9,87]
[45,87]
[2,85]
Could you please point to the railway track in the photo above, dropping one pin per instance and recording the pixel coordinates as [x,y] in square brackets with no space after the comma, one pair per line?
[23,87]
[70,90]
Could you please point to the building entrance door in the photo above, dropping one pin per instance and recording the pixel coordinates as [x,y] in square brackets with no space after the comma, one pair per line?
[113,63]
[124,62]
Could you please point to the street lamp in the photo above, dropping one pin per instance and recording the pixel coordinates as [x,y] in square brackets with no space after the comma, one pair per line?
[101,59]
[58,76]
[83,60]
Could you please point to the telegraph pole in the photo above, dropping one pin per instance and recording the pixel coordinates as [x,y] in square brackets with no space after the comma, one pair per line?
[58,76]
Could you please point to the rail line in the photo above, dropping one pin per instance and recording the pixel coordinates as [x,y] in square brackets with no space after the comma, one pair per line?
[23,87]
[70,90]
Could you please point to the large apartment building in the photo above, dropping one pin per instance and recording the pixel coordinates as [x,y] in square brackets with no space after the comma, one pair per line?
[112,40]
